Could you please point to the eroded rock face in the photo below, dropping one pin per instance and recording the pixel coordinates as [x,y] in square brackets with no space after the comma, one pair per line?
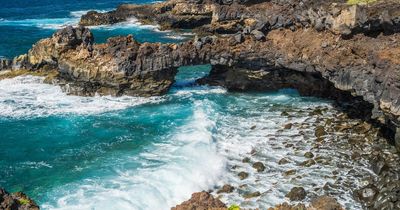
[231,16]
[16,201]
[201,201]
[120,66]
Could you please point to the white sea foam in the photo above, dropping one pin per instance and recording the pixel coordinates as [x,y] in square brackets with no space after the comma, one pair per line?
[28,96]
[190,164]
[200,90]
[131,23]
[79,13]
[48,23]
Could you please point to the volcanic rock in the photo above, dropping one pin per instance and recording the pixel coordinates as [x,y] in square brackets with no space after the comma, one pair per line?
[201,201]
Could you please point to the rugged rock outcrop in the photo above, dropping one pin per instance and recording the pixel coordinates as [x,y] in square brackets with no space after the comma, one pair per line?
[16,201]
[120,66]
[231,16]
[201,201]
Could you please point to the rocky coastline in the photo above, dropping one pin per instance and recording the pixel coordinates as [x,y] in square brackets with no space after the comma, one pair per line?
[16,201]
[330,49]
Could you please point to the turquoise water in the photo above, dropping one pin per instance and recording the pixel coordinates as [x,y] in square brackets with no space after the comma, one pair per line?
[70,152]
[22,23]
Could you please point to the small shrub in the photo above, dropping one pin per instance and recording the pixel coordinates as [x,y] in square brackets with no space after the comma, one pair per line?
[23,201]
[234,207]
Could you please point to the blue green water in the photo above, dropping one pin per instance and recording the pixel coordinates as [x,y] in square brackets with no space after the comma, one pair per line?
[22,23]
[70,152]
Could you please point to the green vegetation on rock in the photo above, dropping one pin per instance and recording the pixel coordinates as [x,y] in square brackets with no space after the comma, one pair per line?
[234,207]
[23,201]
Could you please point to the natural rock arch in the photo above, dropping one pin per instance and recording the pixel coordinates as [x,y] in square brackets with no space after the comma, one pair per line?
[316,63]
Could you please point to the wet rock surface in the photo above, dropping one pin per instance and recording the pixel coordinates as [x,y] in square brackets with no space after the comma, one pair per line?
[297,194]
[16,201]
[341,172]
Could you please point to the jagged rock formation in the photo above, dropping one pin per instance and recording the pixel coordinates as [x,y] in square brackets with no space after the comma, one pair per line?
[16,201]
[231,16]
[120,66]
[201,201]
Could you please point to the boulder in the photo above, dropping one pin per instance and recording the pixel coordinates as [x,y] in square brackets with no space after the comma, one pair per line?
[226,189]
[259,166]
[297,194]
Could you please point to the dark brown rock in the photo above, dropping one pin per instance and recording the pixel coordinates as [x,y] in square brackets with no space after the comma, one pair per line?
[243,175]
[259,166]
[320,131]
[288,126]
[226,189]
[297,194]
[283,161]
[308,155]
[201,201]
[325,203]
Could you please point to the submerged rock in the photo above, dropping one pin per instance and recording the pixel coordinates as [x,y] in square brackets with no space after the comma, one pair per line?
[251,195]
[243,175]
[320,131]
[226,189]
[283,161]
[367,194]
[308,155]
[259,166]
[288,126]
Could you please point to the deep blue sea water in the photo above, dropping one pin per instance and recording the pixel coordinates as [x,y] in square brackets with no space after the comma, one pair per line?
[70,152]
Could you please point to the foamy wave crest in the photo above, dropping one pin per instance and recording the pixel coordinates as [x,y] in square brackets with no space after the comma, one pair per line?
[28,96]
[49,23]
[131,23]
[200,90]
[78,14]
[186,162]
